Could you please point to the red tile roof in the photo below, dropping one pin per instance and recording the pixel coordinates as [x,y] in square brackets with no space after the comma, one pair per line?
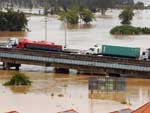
[69,111]
[12,112]
[143,109]
[114,112]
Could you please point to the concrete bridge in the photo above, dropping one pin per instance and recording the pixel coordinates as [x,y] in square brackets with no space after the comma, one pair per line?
[83,63]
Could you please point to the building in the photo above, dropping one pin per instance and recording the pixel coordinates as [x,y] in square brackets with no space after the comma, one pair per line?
[143,109]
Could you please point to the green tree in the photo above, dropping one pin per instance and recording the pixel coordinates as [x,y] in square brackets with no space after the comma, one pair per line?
[46,10]
[12,21]
[18,79]
[139,5]
[126,16]
[86,15]
[71,16]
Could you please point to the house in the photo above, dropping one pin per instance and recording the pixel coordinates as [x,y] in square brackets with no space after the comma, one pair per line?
[12,112]
[143,109]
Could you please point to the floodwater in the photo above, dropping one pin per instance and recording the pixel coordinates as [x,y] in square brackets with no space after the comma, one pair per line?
[51,92]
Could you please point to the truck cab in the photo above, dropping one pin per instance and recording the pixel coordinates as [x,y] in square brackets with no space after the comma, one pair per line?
[12,43]
[96,50]
[145,55]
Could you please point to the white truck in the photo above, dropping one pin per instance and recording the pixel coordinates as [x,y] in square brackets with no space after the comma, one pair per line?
[96,50]
[119,51]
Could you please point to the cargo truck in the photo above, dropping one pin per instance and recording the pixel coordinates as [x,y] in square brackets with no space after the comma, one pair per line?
[119,51]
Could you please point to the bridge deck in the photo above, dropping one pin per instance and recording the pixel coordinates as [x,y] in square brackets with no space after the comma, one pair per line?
[75,59]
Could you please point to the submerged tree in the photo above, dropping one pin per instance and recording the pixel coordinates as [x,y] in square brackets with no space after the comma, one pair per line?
[139,5]
[87,16]
[126,16]
[12,21]
[70,15]
[73,15]
[18,79]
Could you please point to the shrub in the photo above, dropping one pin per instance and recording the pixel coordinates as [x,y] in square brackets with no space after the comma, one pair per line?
[18,79]
[129,30]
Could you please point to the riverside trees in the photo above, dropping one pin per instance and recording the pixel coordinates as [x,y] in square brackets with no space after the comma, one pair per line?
[12,21]
[73,15]
[126,16]
[126,29]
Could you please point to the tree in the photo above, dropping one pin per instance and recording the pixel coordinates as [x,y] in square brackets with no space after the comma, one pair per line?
[126,16]
[46,10]
[103,5]
[12,21]
[139,5]
[71,15]
[86,15]
[18,79]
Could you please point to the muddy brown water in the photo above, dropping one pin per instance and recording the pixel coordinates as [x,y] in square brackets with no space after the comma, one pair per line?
[51,92]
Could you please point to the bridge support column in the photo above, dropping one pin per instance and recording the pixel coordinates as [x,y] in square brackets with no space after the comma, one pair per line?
[61,70]
[7,65]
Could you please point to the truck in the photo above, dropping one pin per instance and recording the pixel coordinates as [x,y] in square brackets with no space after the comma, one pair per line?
[34,45]
[119,51]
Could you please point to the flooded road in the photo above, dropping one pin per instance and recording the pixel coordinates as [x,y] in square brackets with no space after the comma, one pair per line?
[51,93]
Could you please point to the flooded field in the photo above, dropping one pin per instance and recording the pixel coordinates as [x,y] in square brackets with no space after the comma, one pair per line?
[51,92]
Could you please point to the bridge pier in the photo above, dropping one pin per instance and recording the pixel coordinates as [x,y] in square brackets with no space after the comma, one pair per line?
[61,70]
[7,66]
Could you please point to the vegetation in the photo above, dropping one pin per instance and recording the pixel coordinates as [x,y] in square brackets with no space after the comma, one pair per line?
[129,30]
[93,5]
[12,21]
[139,5]
[18,79]
[126,16]
[45,10]
[73,15]
[87,16]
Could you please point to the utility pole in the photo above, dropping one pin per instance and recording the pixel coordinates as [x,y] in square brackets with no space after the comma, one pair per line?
[65,27]
[45,27]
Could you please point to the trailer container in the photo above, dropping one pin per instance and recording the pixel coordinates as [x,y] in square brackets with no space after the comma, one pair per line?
[120,51]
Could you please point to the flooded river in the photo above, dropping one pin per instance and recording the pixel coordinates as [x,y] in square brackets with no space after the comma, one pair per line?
[52,92]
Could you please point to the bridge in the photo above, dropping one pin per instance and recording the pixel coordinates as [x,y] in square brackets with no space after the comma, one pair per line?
[83,63]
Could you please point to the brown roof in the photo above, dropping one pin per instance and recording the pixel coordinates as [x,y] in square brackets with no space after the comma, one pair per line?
[143,109]
[69,111]
[114,112]
[12,112]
